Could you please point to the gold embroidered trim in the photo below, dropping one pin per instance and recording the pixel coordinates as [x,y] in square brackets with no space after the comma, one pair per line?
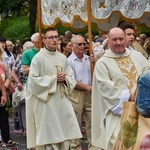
[129,72]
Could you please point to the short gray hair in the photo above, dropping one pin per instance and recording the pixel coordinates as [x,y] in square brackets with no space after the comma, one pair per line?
[27,45]
[74,38]
[35,37]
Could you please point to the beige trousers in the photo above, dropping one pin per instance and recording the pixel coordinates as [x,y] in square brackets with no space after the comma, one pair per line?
[59,146]
[82,106]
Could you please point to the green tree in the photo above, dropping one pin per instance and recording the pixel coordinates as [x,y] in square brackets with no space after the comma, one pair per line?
[14,7]
[32,15]
[26,8]
[15,28]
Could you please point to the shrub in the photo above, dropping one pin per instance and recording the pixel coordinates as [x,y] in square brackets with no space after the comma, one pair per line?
[145,30]
[14,28]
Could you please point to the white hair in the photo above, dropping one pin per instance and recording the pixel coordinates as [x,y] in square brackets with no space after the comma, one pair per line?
[75,37]
[35,37]
[8,42]
[27,45]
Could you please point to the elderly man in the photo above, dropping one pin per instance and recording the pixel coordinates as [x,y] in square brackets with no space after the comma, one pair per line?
[81,101]
[29,54]
[114,81]
[51,121]
[130,42]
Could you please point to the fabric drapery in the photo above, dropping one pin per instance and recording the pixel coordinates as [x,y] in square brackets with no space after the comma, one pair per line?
[105,13]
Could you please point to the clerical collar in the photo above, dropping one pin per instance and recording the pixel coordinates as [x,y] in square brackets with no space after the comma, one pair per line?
[119,55]
[50,50]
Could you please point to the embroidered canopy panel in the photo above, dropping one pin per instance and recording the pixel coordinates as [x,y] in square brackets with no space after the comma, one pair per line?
[105,13]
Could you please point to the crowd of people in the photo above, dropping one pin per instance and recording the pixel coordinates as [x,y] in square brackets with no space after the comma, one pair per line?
[55,91]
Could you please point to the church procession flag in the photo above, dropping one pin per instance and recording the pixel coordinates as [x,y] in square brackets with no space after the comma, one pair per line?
[106,14]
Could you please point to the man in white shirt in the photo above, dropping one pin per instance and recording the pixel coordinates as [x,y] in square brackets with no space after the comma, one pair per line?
[82,93]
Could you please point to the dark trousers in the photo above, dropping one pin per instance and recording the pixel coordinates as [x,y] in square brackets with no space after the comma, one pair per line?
[4,124]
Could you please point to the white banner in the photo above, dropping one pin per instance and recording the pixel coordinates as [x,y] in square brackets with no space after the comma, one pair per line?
[105,13]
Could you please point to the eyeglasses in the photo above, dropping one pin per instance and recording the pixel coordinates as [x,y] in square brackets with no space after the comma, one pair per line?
[52,37]
[81,44]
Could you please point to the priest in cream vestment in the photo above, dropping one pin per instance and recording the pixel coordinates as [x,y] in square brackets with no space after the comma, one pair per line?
[51,121]
[114,81]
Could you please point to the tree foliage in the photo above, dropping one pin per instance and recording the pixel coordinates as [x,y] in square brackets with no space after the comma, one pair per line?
[14,7]
[15,28]
[19,20]
[32,15]
[145,30]
[26,8]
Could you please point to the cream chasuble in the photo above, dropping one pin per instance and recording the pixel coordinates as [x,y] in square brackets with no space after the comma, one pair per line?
[112,74]
[49,112]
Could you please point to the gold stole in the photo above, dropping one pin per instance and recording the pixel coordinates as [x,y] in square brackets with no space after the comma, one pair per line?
[129,72]
[62,88]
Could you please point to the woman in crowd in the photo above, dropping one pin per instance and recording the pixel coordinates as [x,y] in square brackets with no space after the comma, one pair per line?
[9,45]
[4,113]
[66,47]
[20,81]
[7,56]
[17,50]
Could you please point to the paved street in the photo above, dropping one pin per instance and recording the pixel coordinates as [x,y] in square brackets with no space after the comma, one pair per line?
[18,137]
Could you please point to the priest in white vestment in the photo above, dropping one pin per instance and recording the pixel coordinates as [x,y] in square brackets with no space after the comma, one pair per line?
[114,81]
[51,121]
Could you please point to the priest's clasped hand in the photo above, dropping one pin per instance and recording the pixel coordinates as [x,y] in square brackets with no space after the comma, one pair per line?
[61,77]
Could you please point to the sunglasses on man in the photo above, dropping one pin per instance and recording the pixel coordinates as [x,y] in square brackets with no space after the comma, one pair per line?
[81,44]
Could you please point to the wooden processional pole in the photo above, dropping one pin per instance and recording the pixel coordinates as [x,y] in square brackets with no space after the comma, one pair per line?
[39,14]
[89,33]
